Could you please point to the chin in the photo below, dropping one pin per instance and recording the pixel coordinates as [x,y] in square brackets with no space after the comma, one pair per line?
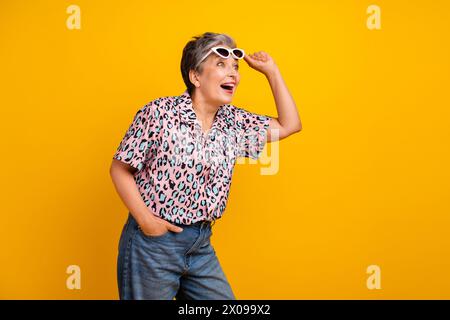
[226,99]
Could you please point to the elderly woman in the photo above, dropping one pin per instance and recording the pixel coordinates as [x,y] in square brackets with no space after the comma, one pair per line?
[174,166]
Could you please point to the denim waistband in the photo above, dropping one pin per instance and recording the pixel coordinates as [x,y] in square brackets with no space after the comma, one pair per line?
[195,224]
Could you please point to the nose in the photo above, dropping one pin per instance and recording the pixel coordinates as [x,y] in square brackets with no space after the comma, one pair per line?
[232,71]
[231,63]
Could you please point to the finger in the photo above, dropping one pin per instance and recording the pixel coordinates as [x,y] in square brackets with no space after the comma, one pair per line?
[173,227]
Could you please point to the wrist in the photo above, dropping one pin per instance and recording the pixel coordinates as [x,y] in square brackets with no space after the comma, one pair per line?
[145,219]
[272,73]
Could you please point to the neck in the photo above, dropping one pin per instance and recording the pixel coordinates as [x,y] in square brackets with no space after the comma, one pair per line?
[204,110]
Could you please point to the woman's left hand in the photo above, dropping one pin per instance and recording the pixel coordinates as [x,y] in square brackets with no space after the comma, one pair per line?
[261,61]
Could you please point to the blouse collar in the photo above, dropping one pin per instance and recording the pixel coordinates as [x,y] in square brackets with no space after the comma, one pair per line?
[188,116]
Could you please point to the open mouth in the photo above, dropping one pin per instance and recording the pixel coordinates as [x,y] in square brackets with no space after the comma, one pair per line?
[228,88]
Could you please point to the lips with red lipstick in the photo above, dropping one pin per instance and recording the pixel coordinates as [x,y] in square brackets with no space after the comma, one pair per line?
[228,87]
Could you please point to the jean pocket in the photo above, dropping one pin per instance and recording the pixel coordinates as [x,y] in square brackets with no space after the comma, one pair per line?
[147,236]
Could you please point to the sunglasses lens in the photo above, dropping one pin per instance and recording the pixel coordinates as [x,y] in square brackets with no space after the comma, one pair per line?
[238,53]
[223,52]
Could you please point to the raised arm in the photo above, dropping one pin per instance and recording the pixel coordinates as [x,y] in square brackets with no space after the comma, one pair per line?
[288,119]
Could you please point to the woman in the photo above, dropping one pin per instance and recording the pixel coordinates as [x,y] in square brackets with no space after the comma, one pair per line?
[173,171]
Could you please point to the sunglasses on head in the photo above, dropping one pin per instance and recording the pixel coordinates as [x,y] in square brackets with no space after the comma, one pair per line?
[225,53]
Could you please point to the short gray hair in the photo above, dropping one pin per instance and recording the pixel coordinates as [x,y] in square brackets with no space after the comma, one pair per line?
[196,49]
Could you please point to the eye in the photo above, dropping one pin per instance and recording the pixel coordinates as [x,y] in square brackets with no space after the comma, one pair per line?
[220,63]
[236,66]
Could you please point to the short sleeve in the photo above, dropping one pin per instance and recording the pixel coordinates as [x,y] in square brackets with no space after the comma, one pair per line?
[134,147]
[253,135]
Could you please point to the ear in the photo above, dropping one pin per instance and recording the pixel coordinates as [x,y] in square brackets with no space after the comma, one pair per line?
[193,77]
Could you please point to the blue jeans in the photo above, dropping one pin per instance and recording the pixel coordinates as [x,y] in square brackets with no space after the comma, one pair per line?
[181,265]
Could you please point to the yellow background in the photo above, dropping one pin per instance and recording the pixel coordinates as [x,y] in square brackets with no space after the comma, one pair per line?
[365,183]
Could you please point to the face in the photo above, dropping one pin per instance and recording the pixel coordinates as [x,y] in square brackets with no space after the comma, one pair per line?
[219,79]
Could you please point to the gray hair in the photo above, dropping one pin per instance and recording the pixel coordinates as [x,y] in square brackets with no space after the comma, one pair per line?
[196,49]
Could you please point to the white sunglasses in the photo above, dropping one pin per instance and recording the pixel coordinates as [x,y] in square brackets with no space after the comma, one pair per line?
[225,53]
